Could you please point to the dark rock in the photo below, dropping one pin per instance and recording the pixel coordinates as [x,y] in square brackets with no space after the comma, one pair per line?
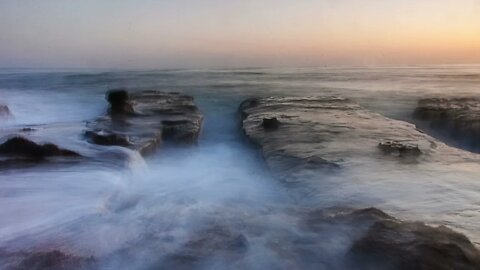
[347,238]
[270,123]
[157,117]
[19,146]
[27,129]
[399,148]
[457,118]
[381,241]
[393,244]
[51,260]
[119,102]
[103,138]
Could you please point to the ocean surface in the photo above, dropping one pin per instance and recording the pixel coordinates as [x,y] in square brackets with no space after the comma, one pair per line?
[98,209]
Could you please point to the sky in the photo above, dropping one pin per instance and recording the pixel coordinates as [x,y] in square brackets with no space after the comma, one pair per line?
[237,33]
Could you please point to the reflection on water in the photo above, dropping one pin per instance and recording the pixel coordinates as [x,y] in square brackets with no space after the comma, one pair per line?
[99,209]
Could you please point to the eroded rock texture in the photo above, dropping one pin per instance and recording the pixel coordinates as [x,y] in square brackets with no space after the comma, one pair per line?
[458,118]
[142,121]
[325,133]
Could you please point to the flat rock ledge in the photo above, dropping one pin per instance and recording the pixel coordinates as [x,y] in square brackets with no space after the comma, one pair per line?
[142,121]
[298,134]
[458,118]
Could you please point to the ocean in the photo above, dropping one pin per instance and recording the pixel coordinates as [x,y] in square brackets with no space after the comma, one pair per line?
[101,210]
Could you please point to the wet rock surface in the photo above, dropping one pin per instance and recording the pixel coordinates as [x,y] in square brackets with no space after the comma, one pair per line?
[142,121]
[19,151]
[399,148]
[45,260]
[309,238]
[61,144]
[393,244]
[19,146]
[457,118]
[327,133]
[345,238]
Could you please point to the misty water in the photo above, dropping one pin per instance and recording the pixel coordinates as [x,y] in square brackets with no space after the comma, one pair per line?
[151,206]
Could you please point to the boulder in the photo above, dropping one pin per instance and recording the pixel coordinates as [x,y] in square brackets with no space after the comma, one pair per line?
[381,241]
[119,102]
[394,244]
[142,121]
[455,118]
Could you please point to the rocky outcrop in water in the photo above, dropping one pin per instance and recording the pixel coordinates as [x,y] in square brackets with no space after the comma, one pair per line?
[458,118]
[314,135]
[325,133]
[142,121]
[19,151]
[139,121]
[384,242]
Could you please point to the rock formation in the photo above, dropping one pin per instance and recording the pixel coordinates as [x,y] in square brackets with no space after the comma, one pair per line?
[19,151]
[457,118]
[298,134]
[326,134]
[142,121]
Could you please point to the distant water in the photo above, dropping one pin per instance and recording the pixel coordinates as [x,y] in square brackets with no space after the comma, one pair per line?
[98,210]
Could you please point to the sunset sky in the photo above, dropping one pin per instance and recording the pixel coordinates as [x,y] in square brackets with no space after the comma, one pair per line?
[237,33]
